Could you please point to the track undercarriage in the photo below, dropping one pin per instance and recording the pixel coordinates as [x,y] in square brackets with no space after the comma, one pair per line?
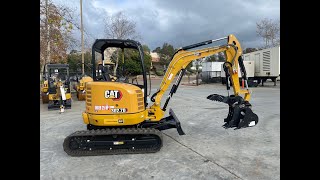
[143,138]
[113,141]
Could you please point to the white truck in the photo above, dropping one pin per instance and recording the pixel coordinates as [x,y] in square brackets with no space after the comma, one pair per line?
[267,64]
[211,72]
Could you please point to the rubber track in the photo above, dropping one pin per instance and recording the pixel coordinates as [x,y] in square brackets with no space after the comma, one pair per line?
[121,131]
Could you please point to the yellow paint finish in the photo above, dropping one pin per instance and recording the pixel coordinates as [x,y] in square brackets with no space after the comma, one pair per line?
[114,119]
[183,57]
[81,96]
[180,61]
[80,87]
[57,96]
[85,118]
[82,83]
[132,98]
[44,87]
[155,113]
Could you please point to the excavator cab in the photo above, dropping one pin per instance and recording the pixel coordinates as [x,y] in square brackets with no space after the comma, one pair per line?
[106,70]
[120,51]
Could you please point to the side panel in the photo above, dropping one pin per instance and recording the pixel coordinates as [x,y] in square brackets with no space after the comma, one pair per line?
[279,64]
[113,104]
[257,62]
[205,66]
[267,61]
[275,61]
[113,98]
[246,57]
[114,120]
[249,65]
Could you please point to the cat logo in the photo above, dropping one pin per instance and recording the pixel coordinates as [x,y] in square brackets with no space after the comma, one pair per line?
[113,94]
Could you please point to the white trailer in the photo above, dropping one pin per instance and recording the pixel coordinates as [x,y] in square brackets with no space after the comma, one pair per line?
[249,66]
[211,71]
[267,64]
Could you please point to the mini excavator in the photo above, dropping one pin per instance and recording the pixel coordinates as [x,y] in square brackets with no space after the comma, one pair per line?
[117,115]
[80,87]
[56,88]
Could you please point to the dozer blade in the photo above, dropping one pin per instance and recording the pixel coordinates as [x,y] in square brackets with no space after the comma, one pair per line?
[170,122]
[240,114]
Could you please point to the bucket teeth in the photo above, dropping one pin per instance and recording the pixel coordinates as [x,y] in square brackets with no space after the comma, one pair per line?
[217,97]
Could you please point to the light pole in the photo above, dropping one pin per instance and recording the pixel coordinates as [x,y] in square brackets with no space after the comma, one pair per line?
[82,39]
[48,34]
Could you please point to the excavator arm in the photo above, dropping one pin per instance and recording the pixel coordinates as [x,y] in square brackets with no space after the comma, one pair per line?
[236,103]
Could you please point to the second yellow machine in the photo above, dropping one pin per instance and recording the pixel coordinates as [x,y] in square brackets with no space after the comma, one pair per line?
[56,88]
[120,120]
[80,86]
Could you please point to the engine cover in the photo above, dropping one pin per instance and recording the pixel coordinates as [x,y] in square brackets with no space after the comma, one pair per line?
[113,98]
[113,104]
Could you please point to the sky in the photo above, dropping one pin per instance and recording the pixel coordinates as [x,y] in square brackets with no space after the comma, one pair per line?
[179,22]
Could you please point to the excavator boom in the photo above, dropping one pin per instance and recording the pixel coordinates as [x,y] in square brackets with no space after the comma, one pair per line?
[240,113]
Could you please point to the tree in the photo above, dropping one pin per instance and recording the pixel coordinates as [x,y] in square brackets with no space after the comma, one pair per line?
[146,49]
[74,61]
[157,50]
[56,24]
[118,26]
[189,71]
[219,57]
[212,58]
[132,62]
[249,50]
[147,57]
[165,53]
[269,30]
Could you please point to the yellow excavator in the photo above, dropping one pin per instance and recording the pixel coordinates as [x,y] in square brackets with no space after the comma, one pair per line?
[81,84]
[56,88]
[117,114]
[80,87]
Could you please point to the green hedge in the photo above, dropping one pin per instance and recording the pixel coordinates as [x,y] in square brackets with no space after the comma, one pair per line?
[159,73]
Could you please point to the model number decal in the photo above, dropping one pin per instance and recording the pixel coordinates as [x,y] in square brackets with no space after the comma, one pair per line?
[113,94]
[106,107]
[119,110]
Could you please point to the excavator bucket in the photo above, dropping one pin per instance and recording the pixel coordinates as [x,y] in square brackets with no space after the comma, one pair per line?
[240,114]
